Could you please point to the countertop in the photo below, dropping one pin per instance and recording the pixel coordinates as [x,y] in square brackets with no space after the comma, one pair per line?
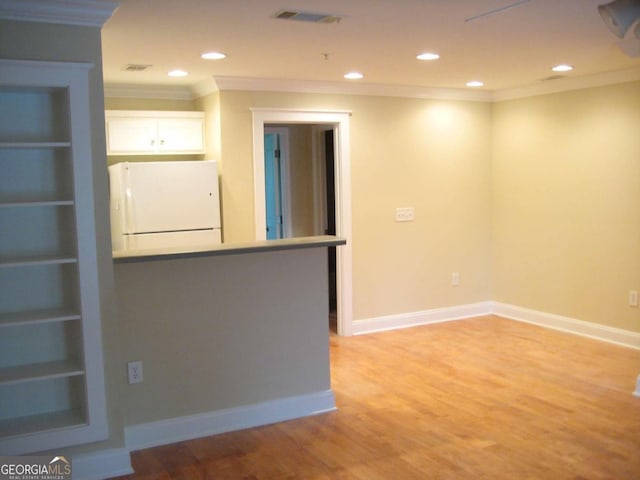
[127,256]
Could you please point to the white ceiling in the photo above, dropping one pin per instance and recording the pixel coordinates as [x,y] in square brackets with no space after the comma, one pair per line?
[510,49]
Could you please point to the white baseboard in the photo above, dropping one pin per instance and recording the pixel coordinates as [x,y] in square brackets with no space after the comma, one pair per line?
[115,462]
[102,464]
[211,423]
[596,331]
[424,317]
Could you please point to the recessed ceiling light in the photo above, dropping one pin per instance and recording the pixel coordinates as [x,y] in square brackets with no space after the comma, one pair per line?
[562,68]
[428,56]
[213,56]
[353,76]
[178,73]
[475,83]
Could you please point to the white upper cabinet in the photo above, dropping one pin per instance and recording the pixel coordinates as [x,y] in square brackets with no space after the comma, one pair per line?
[154,133]
[131,136]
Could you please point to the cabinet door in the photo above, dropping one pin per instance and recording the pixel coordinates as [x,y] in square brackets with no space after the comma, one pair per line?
[131,136]
[180,135]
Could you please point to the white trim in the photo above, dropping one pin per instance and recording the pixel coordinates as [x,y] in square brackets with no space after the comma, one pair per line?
[209,86]
[618,336]
[567,84]
[596,331]
[319,179]
[424,317]
[412,91]
[212,423]
[340,120]
[91,13]
[347,88]
[304,113]
[101,464]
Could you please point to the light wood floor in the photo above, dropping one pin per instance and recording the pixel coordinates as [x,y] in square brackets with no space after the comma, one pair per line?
[484,398]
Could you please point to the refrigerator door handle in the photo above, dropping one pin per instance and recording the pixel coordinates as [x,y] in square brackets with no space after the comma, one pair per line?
[129,221]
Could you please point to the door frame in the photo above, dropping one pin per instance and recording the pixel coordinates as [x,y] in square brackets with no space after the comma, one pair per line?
[340,121]
[285,178]
[319,176]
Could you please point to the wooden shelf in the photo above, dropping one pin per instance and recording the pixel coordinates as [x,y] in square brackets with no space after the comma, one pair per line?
[39,423]
[35,203]
[12,145]
[33,261]
[38,316]
[40,371]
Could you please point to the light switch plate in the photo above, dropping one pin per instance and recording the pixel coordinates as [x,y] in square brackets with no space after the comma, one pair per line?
[633,298]
[404,214]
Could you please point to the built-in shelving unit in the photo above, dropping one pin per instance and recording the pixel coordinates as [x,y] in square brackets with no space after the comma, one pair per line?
[51,369]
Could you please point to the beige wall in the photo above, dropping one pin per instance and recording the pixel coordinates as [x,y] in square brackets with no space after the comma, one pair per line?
[566,203]
[432,155]
[533,201]
[113,103]
[210,105]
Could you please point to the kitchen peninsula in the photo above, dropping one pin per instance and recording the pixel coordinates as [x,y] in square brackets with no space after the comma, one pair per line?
[229,337]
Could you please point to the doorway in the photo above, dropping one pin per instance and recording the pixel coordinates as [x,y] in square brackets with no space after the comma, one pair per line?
[338,124]
[277,183]
[331,228]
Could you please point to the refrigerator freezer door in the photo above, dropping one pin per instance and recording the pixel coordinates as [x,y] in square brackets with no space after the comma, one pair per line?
[171,196]
[172,240]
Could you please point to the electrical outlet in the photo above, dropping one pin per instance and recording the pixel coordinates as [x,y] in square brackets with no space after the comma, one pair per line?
[633,298]
[134,371]
[455,279]
[404,214]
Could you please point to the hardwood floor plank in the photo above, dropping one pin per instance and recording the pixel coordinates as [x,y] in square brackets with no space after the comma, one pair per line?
[484,398]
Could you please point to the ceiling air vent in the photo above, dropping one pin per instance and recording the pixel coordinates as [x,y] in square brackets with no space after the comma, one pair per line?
[306,17]
[135,67]
[552,77]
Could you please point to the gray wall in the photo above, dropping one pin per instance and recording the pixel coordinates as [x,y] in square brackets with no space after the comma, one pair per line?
[221,332]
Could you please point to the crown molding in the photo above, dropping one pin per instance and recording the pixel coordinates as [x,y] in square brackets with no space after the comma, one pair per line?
[566,84]
[344,88]
[90,13]
[218,83]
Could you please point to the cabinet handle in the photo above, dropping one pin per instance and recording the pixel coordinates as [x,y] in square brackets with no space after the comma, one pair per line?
[153,142]
[162,142]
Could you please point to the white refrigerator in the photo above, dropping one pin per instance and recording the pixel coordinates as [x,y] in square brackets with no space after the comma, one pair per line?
[164,205]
